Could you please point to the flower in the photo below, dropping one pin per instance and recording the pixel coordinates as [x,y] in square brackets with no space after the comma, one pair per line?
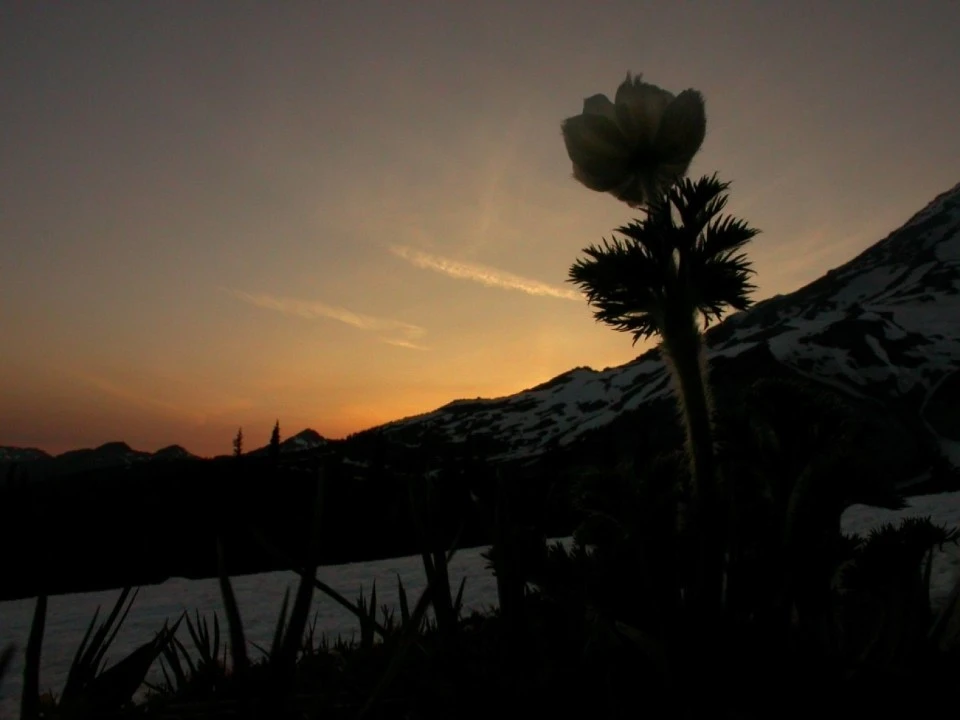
[638,145]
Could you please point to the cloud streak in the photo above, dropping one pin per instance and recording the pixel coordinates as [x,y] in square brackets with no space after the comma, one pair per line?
[491,277]
[405,344]
[312,310]
[145,401]
[134,398]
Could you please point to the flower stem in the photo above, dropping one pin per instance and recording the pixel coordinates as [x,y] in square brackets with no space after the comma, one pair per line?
[686,360]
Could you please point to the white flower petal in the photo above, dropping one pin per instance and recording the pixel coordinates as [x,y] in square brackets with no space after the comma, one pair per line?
[640,107]
[683,128]
[600,105]
[638,145]
[601,182]
[592,137]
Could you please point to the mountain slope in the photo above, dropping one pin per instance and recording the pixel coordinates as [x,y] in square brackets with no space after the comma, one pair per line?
[884,327]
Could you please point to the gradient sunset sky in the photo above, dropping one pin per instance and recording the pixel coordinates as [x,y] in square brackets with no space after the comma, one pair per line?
[340,213]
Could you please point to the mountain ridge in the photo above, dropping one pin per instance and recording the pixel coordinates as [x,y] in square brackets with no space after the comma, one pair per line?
[878,328]
[119,454]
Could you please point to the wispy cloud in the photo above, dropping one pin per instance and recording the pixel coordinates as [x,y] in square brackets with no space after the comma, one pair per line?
[405,344]
[128,394]
[312,310]
[489,276]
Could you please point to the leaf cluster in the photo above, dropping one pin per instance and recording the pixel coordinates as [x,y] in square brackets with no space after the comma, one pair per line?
[684,254]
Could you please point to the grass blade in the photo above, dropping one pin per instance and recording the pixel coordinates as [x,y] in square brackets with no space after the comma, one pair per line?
[168,686]
[458,603]
[186,656]
[30,700]
[404,607]
[116,628]
[304,598]
[368,616]
[173,659]
[200,642]
[81,649]
[408,638]
[330,592]
[216,638]
[87,661]
[262,649]
[99,637]
[5,658]
[281,625]
[237,641]
[113,689]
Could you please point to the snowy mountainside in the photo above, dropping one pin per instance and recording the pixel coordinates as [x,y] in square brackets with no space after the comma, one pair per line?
[304,440]
[884,327]
[172,452]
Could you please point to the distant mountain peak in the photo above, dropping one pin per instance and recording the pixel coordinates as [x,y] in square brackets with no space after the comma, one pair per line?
[173,452]
[304,440]
[117,446]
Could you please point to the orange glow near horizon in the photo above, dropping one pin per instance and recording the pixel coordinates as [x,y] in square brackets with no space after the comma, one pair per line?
[252,221]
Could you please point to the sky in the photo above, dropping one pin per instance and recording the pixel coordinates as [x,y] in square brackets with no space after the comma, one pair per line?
[339,213]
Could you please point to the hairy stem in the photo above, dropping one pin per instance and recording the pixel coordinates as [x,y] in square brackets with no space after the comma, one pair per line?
[686,360]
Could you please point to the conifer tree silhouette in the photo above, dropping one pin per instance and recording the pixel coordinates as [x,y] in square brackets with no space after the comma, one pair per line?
[274,450]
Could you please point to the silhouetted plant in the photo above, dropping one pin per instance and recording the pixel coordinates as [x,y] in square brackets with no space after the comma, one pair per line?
[274,447]
[516,555]
[887,593]
[425,511]
[91,688]
[678,264]
[189,679]
[29,705]
[793,610]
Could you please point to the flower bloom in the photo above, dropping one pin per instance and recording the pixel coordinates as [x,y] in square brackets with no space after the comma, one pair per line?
[638,145]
